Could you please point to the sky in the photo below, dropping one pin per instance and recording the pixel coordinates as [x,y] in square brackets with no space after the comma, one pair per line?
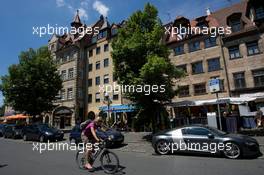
[19,17]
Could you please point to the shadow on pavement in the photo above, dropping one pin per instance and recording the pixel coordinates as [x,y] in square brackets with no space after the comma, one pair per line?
[3,165]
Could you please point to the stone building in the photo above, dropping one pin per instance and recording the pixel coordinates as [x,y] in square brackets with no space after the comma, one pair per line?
[236,59]
[84,63]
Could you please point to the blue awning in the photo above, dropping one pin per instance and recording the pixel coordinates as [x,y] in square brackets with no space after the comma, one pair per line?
[118,108]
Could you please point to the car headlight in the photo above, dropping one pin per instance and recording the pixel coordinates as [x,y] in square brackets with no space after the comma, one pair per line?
[48,133]
[111,137]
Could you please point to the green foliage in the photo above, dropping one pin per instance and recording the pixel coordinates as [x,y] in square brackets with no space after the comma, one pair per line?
[33,84]
[2,110]
[140,58]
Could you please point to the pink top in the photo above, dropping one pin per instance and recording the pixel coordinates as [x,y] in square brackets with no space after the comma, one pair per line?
[88,131]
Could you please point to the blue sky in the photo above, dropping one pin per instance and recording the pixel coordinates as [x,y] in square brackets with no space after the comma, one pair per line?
[19,17]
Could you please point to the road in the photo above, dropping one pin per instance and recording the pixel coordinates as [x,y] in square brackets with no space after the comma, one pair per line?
[18,158]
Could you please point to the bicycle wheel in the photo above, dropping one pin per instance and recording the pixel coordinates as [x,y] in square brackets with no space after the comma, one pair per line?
[80,160]
[109,162]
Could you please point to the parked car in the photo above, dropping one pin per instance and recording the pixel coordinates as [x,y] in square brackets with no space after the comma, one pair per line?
[117,138]
[13,131]
[195,136]
[42,133]
[2,130]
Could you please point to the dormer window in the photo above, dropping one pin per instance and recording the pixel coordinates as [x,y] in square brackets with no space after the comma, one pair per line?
[235,22]
[235,25]
[259,13]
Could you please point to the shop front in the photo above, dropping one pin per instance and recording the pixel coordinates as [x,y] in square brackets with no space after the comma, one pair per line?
[62,117]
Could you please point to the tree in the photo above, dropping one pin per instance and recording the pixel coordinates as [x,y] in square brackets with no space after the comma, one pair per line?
[33,84]
[141,58]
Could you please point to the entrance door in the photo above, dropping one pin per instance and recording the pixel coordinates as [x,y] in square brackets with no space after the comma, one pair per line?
[62,122]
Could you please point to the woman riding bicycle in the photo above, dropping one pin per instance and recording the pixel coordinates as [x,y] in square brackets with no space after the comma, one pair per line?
[89,136]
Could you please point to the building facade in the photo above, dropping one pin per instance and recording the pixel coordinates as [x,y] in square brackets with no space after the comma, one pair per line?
[85,64]
[236,59]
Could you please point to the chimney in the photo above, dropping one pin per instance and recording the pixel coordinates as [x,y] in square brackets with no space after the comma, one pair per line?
[208,11]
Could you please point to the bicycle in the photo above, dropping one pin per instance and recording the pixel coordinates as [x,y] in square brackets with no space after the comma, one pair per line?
[109,160]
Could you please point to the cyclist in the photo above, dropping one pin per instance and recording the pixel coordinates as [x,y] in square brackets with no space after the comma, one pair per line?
[89,136]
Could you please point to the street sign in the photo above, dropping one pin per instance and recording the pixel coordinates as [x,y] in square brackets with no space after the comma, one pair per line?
[214,85]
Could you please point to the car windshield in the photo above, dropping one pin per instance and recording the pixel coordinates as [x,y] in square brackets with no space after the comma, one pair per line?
[45,127]
[217,131]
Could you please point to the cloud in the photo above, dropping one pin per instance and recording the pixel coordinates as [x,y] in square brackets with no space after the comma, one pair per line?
[60,3]
[100,8]
[82,13]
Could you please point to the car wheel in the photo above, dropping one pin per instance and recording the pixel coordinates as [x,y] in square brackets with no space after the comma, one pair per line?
[42,138]
[162,147]
[25,137]
[233,152]
[5,136]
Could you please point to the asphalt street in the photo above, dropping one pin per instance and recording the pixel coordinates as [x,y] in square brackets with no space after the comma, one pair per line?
[18,158]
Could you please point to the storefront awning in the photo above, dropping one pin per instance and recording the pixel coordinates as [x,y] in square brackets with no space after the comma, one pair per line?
[15,117]
[230,100]
[118,108]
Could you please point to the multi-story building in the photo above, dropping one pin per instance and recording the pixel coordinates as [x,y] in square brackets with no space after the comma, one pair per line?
[84,63]
[236,59]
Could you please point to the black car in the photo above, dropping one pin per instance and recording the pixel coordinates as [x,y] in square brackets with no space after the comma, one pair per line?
[117,138]
[204,139]
[13,131]
[2,130]
[42,133]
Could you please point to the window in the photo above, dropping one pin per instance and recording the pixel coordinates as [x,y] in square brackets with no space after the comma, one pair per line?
[94,39]
[114,77]
[90,67]
[196,131]
[210,42]
[106,62]
[197,67]
[213,64]
[70,73]
[114,31]
[102,35]
[97,97]
[90,98]
[252,48]
[182,67]
[106,47]
[106,79]
[69,93]
[194,46]
[63,94]
[258,76]
[115,96]
[90,82]
[63,75]
[97,80]
[98,50]
[184,91]
[234,52]
[259,12]
[199,89]
[97,66]
[179,50]
[80,93]
[239,80]
[235,25]
[90,54]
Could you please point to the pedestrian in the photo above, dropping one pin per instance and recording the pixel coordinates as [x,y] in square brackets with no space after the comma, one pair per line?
[259,118]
